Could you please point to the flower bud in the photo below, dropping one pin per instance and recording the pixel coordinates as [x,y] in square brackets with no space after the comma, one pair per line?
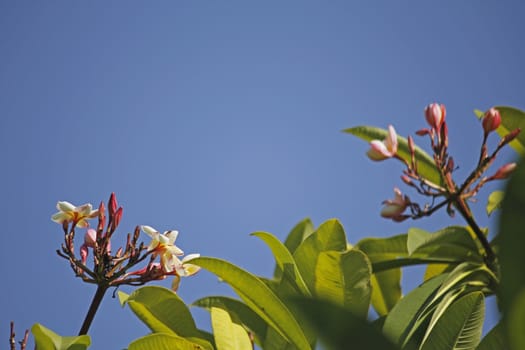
[394,208]
[116,219]
[112,204]
[511,136]
[491,121]
[83,253]
[101,217]
[435,115]
[504,172]
[90,238]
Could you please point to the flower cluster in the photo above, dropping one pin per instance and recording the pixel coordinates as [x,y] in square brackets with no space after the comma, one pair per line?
[114,269]
[454,195]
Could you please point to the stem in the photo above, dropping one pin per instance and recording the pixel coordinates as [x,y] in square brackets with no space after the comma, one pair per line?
[95,303]
[467,215]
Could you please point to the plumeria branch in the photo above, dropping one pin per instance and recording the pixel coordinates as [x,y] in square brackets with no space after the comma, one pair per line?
[454,197]
[113,270]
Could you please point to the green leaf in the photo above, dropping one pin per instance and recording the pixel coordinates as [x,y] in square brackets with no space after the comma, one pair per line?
[229,335]
[122,298]
[284,257]
[339,328]
[400,320]
[344,279]
[386,290]
[425,164]
[46,339]
[298,234]
[515,322]
[163,341]
[329,236]
[460,326]
[511,119]
[495,339]
[258,296]
[162,310]
[453,243]
[494,202]
[246,315]
[511,236]
[386,285]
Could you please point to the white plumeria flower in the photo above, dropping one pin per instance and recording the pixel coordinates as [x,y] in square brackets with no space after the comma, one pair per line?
[163,245]
[70,213]
[183,268]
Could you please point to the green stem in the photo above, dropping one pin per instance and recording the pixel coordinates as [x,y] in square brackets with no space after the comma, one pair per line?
[95,303]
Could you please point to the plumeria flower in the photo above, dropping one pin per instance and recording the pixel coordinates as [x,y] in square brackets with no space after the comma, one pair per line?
[163,245]
[394,208]
[381,150]
[77,215]
[183,268]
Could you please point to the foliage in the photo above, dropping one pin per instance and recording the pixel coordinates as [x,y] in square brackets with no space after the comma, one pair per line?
[324,288]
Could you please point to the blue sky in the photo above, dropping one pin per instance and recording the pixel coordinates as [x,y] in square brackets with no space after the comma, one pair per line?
[219,119]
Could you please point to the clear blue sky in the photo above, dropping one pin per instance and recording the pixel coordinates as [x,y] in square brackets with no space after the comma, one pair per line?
[223,118]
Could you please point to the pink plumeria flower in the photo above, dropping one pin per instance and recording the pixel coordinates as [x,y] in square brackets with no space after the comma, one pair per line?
[77,215]
[394,208]
[381,150]
[163,245]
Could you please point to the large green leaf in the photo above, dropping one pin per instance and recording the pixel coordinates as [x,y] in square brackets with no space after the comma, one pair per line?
[258,296]
[162,310]
[247,316]
[511,239]
[283,257]
[425,164]
[329,236]
[460,326]
[511,119]
[163,341]
[495,339]
[298,234]
[46,339]
[229,335]
[344,279]
[404,314]
[339,328]
[386,285]
[453,243]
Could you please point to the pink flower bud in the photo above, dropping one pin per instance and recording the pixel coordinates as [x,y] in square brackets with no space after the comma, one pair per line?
[511,136]
[411,146]
[423,132]
[491,121]
[90,238]
[84,253]
[435,115]
[101,217]
[112,204]
[394,208]
[381,150]
[504,172]
[116,218]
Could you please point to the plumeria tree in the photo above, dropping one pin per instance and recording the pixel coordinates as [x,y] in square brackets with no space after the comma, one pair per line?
[324,286]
